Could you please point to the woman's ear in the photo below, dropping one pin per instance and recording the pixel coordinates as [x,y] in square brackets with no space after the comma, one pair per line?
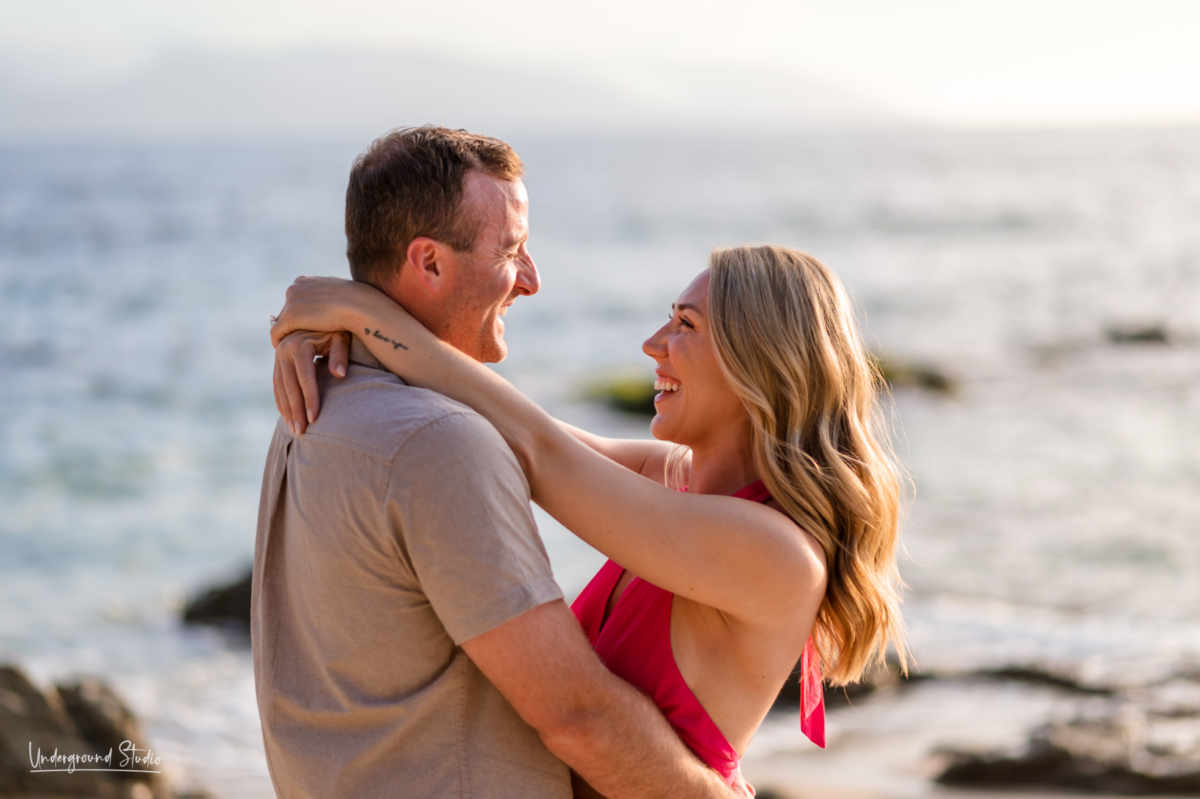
[430,263]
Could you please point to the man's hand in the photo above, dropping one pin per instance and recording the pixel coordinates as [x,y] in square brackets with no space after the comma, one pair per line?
[295,379]
[610,733]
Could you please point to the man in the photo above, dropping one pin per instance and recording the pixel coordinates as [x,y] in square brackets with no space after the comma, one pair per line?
[409,638]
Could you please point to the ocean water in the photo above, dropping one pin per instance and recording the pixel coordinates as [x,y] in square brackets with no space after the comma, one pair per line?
[1056,495]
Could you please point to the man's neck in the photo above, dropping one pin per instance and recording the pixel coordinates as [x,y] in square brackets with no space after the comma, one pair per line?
[360,354]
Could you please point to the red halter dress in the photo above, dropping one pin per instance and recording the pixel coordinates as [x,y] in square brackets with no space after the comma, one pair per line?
[635,643]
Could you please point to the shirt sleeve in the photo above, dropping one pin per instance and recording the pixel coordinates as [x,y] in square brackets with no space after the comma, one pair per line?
[459,506]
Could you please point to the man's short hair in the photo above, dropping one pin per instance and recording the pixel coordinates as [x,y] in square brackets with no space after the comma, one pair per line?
[409,183]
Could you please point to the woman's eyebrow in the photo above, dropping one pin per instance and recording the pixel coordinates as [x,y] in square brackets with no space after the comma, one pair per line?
[685,306]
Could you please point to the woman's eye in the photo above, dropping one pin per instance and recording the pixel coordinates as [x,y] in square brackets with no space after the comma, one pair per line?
[682,320]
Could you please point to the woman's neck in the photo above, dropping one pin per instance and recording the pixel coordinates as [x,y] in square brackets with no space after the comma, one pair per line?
[723,466]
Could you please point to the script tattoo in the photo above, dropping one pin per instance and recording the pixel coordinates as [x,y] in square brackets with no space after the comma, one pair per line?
[396,345]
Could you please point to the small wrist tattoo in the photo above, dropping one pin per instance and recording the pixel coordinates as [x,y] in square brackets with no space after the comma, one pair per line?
[396,345]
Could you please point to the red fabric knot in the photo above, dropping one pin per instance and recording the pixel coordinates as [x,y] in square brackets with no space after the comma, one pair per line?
[812,696]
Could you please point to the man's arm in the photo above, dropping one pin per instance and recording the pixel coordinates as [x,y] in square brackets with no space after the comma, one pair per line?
[610,733]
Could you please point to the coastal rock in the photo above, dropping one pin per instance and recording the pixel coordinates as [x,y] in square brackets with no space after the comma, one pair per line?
[1138,334]
[104,721]
[85,719]
[224,606]
[1146,742]
[31,722]
[890,677]
[900,373]
[1044,676]
[633,394]
[885,676]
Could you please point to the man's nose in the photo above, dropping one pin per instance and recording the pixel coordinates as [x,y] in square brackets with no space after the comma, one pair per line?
[528,279]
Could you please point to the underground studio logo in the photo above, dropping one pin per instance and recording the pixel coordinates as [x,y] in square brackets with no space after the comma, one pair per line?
[128,758]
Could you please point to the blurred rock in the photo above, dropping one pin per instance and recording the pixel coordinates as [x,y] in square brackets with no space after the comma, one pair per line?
[899,373]
[104,721]
[885,676]
[31,721]
[1045,677]
[766,793]
[635,393]
[890,677]
[1146,742]
[1135,334]
[223,606]
[83,719]
[625,393]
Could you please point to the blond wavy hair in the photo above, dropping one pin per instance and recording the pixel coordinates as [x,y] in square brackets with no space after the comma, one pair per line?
[785,335]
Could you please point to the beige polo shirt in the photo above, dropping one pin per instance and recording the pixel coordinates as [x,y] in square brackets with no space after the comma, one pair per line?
[396,528]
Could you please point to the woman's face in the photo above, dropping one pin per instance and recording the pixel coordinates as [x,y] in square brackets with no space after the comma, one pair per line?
[695,405]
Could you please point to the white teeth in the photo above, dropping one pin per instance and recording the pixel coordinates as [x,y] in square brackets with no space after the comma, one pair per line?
[663,384]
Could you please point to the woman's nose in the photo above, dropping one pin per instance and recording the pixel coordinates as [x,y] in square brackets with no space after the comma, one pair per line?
[655,346]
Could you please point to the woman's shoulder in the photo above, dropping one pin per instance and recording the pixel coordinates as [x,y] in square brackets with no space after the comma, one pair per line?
[815,560]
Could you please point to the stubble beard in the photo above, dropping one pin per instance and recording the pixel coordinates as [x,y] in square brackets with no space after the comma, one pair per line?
[487,345]
[493,348]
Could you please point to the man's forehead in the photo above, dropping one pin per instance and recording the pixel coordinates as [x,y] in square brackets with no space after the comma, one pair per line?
[487,191]
[500,203]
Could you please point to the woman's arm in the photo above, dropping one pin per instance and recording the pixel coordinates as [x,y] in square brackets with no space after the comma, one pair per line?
[739,557]
[298,398]
[647,458]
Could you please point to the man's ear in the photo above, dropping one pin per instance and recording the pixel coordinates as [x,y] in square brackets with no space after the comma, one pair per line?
[430,262]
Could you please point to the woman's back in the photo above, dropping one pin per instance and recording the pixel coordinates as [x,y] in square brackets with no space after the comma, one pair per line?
[640,631]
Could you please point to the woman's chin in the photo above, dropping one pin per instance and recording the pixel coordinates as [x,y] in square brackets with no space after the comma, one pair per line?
[660,429]
[656,427]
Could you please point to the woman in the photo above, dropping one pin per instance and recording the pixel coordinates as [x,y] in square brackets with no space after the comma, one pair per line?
[766,395]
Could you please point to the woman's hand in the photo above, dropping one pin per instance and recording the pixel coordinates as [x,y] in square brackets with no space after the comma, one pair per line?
[296,393]
[321,304]
[315,313]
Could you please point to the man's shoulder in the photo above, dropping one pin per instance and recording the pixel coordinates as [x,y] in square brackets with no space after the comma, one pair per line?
[374,411]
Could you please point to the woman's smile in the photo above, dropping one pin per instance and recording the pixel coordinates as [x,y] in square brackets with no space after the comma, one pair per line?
[694,402]
[665,386]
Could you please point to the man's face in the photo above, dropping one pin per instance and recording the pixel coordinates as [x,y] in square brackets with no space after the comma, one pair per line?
[498,270]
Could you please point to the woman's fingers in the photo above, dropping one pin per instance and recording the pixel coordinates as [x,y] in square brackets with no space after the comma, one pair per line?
[297,394]
[314,303]
[339,354]
[280,328]
[306,377]
[276,333]
[295,397]
[295,416]
[277,387]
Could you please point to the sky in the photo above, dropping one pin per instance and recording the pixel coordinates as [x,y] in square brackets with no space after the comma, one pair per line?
[956,63]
